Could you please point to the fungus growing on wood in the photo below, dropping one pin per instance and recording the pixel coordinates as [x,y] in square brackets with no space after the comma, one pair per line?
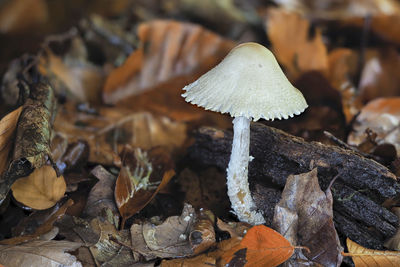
[249,85]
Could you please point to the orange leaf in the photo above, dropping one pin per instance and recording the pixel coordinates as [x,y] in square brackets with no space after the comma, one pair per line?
[288,33]
[261,246]
[40,190]
[168,49]
[364,257]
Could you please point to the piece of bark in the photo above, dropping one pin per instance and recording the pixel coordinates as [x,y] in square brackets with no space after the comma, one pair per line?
[32,140]
[277,155]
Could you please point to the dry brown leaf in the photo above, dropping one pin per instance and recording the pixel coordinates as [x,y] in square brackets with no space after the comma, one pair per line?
[82,79]
[109,130]
[328,9]
[385,26]
[364,257]
[394,241]
[291,44]
[235,229]
[202,237]
[8,124]
[380,76]
[101,196]
[382,117]
[142,175]
[167,240]
[202,260]
[41,190]
[108,249]
[342,67]
[43,229]
[305,216]
[165,99]
[39,253]
[168,49]
[19,15]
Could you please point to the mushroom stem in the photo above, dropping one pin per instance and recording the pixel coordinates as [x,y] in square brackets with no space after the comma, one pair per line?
[237,174]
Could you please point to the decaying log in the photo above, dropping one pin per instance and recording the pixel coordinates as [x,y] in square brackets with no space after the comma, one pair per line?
[361,188]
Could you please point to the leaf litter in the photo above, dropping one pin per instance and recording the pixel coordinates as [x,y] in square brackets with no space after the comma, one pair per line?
[113,123]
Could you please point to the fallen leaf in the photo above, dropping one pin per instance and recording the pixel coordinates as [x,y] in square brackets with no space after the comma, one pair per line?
[235,229]
[39,253]
[202,260]
[305,217]
[261,246]
[202,236]
[41,190]
[223,247]
[385,26]
[342,67]
[168,49]
[142,175]
[167,240]
[291,44]
[19,16]
[44,228]
[380,76]
[101,196]
[112,247]
[364,257]
[109,130]
[331,10]
[382,117]
[165,99]
[394,241]
[76,229]
[74,74]
[8,124]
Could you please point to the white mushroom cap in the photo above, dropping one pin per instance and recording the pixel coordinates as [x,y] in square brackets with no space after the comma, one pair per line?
[249,83]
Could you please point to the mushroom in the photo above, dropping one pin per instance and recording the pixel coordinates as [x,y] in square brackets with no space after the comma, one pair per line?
[249,85]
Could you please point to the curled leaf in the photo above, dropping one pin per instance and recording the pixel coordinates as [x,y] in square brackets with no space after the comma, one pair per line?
[141,177]
[40,190]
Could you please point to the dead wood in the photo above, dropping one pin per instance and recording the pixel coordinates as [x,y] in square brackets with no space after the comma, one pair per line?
[362,186]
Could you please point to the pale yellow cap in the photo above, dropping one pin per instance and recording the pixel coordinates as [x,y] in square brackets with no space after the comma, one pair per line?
[248,82]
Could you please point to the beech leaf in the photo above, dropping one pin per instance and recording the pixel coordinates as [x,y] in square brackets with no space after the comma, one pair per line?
[40,190]
[8,124]
[169,49]
[141,177]
[261,246]
[168,239]
[305,217]
[39,253]
[288,33]
[364,257]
